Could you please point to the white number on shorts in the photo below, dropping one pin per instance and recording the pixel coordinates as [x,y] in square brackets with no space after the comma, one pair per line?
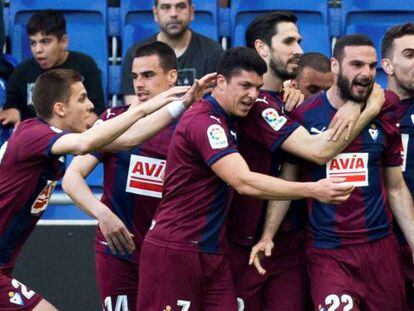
[3,150]
[121,303]
[240,304]
[185,304]
[23,289]
[334,301]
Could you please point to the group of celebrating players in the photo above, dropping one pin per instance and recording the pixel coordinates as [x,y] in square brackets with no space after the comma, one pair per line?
[197,210]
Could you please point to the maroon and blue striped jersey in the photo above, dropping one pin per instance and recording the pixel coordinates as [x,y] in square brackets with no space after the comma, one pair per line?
[193,213]
[366,215]
[260,135]
[28,175]
[133,182]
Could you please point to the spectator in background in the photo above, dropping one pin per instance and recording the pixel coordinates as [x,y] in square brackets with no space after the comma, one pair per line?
[197,55]
[48,42]
[313,74]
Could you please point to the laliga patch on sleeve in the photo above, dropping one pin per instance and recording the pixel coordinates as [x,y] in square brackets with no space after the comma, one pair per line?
[217,137]
[273,119]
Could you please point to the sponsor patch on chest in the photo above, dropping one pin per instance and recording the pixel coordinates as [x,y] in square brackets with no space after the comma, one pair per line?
[145,176]
[273,119]
[351,166]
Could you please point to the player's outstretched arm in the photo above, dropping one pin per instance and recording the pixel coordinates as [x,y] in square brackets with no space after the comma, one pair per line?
[275,213]
[401,202]
[233,169]
[149,126]
[117,236]
[98,136]
[321,148]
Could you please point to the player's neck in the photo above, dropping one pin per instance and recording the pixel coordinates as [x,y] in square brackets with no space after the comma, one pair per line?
[271,82]
[397,89]
[334,97]
[179,44]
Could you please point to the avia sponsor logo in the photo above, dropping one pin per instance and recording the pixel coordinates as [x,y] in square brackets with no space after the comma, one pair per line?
[405,138]
[351,166]
[145,176]
[42,200]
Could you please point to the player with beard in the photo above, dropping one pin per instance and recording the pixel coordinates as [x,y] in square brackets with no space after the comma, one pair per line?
[398,63]
[264,134]
[348,245]
[197,55]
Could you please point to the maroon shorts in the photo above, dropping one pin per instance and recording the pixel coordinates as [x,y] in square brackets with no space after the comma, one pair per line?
[408,270]
[16,296]
[117,282]
[180,280]
[284,286]
[357,277]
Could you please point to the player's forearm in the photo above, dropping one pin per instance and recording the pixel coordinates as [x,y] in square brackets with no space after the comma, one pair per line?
[325,149]
[401,203]
[75,186]
[141,131]
[276,212]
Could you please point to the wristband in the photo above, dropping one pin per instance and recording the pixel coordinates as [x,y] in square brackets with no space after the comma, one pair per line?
[176,108]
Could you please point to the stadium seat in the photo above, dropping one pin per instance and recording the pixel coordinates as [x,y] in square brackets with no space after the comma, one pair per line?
[312,20]
[86,26]
[95,178]
[137,22]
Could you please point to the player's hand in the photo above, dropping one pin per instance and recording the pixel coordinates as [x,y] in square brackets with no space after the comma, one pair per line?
[292,98]
[375,100]
[117,236]
[199,88]
[263,248]
[344,120]
[10,116]
[330,190]
[174,93]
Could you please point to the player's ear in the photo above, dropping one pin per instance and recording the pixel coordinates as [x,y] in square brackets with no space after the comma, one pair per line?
[221,82]
[262,48]
[335,66]
[59,109]
[387,66]
[172,77]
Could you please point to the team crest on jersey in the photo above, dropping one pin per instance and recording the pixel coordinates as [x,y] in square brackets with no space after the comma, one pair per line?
[351,166]
[273,119]
[373,131]
[42,200]
[16,298]
[145,176]
[405,138]
[217,137]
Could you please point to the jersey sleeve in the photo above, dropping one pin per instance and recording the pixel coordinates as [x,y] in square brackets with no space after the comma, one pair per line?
[211,139]
[39,143]
[388,120]
[267,125]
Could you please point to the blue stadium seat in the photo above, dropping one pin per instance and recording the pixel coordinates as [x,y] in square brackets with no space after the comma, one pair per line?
[137,21]
[86,26]
[312,20]
[95,178]
[373,18]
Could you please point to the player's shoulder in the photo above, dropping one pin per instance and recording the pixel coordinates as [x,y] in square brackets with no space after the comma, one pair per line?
[33,129]
[391,101]
[202,114]
[308,105]
[113,112]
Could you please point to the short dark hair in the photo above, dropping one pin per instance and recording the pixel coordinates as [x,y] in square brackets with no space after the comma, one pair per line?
[168,59]
[48,22]
[237,59]
[51,87]
[350,40]
[393,33]
[263,27]
[190,2]
[314,60]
